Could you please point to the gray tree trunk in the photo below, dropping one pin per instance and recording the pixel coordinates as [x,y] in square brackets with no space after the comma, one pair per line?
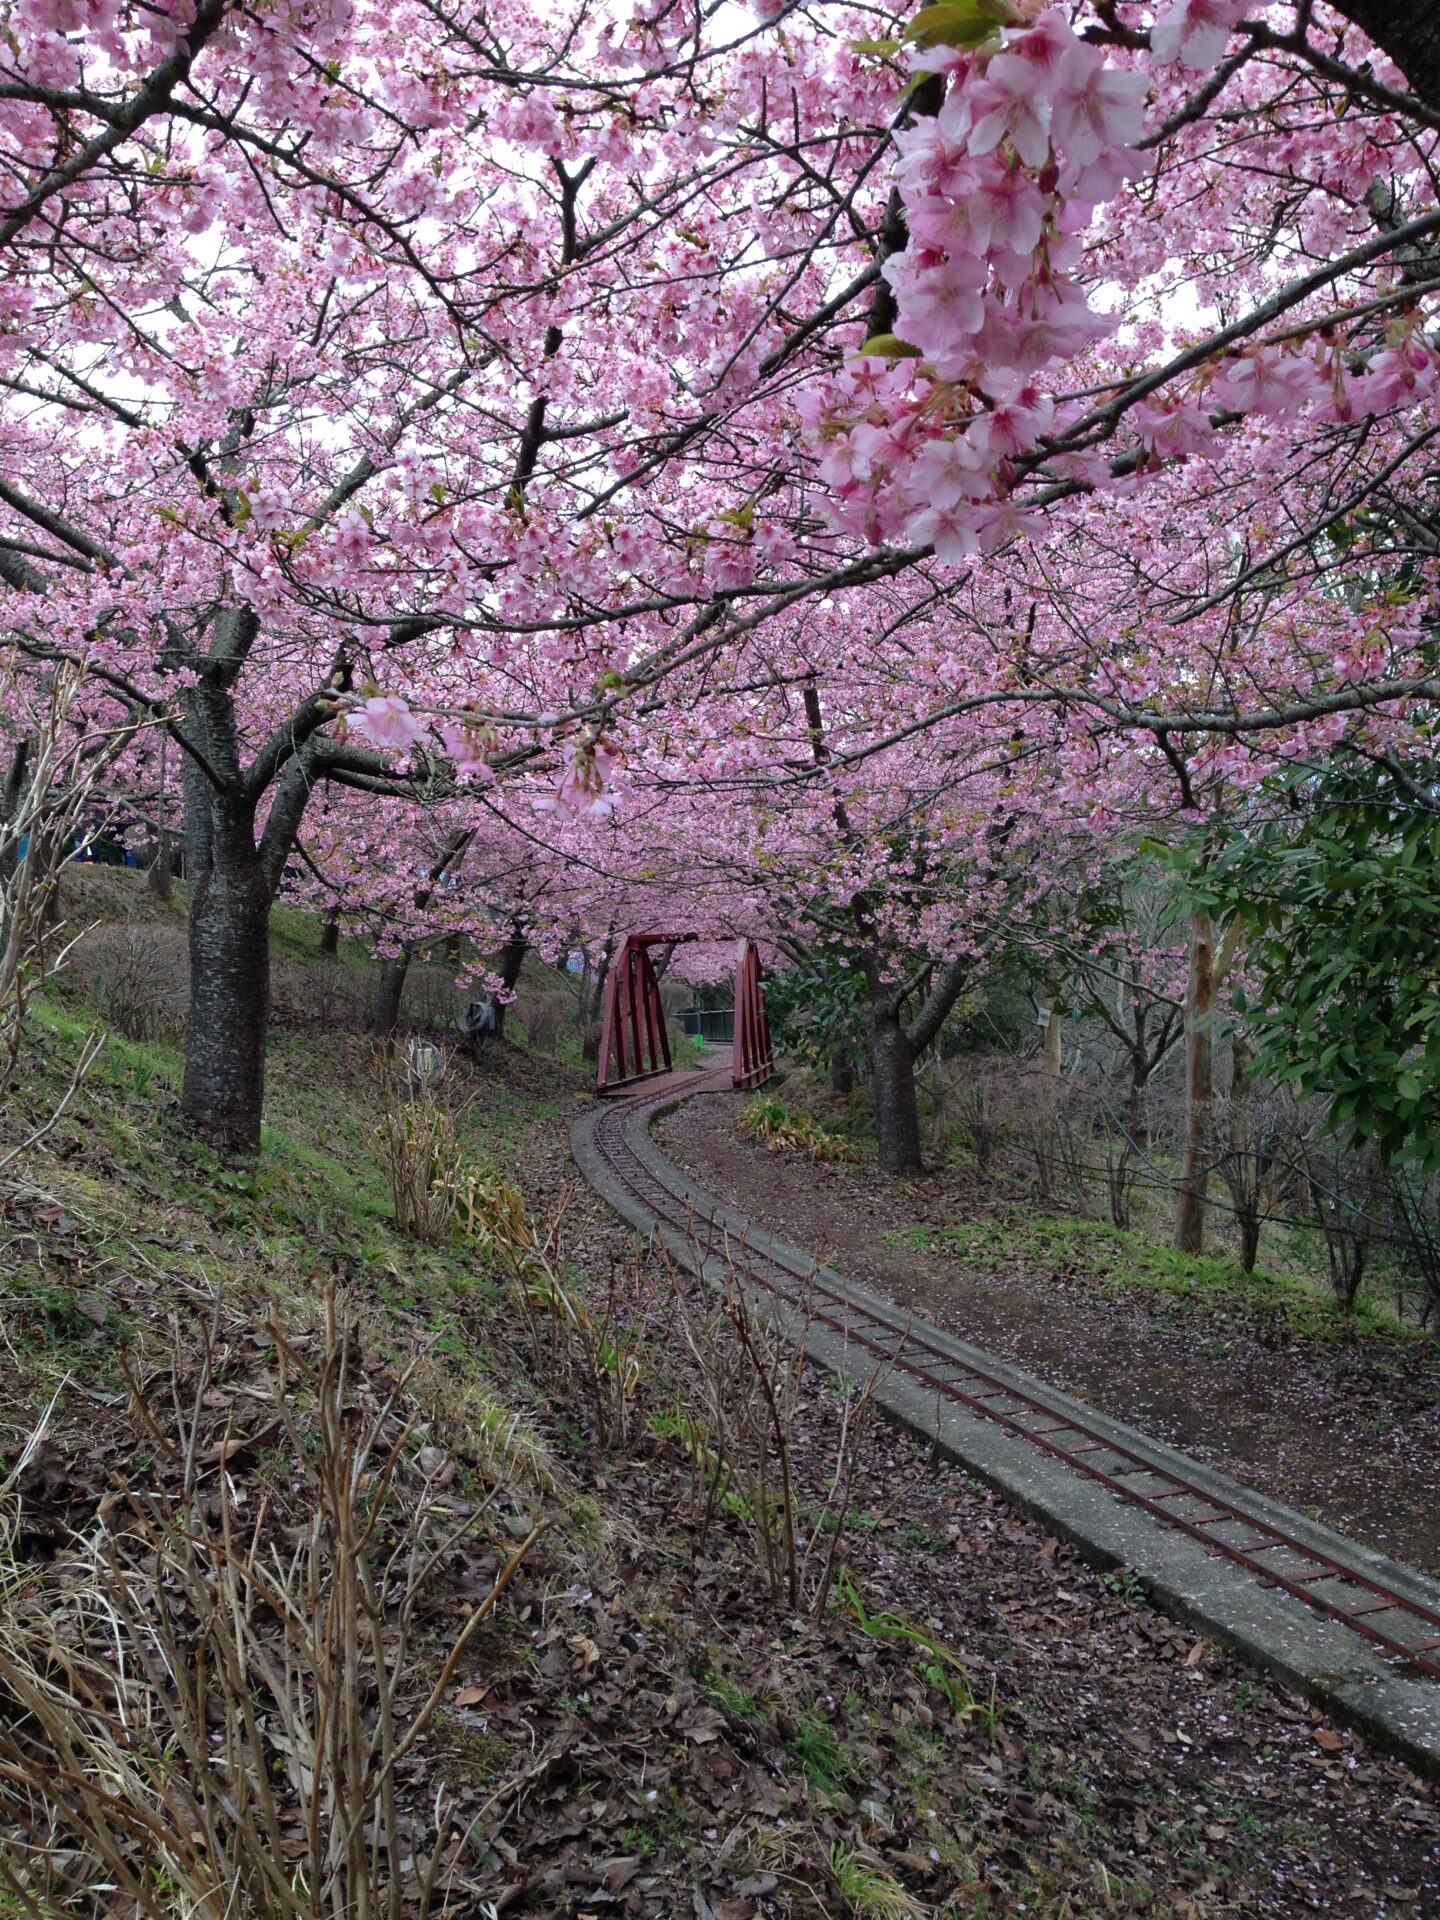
[392,972]
[1248,1189]
[229,896]
[1050,1054]
[895,1046]
[229,926]
[897,1108]
[388,995]
[593,1008]
[1199,1087]
[512,959]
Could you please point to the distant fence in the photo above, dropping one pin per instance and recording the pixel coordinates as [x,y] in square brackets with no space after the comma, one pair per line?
[714,1025]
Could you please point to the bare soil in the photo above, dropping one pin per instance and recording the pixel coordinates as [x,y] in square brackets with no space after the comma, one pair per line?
[1347,1429]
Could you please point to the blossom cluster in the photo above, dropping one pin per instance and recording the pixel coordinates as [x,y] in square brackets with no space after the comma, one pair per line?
[925,437]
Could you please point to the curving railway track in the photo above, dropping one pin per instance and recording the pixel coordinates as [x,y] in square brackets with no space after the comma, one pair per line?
[1386,1606]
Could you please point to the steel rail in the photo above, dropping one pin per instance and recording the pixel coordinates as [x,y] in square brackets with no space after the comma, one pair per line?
[977,1391]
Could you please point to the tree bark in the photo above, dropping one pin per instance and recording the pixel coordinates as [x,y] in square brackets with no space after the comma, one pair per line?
[1409,31]
[388,994]
[233,875]
[897,1109]
[160,875]
[593,1006]
[512,959]
[1199,1086]
[1139,1106]
[1248,1182]
[1050,1050]
[392,972]
[896,1045]
[12,794]
[230,891]
[229,928]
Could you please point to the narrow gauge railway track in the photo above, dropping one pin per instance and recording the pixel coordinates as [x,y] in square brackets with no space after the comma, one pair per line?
[1401,1625]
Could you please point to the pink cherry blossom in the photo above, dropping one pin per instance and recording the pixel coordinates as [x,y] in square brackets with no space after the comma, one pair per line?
[953,531]
[467,746]
[1266,382]
[387,720]
[1195,32]
[1096,106]
[1010,103]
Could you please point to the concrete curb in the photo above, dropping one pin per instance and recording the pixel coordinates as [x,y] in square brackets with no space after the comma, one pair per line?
[1317,1657]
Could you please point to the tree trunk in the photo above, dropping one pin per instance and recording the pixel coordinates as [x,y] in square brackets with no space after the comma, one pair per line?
[1139,1114]
[512,959]
[1248,1186]
[159,876]
[594,1006]
[897,1110]
[895,1046]
[388,993]
[1199,1087]
[229,925]
[392,972]
[11,796]
[330,938]
[1050,1049]
[1409,31]
[842,1075]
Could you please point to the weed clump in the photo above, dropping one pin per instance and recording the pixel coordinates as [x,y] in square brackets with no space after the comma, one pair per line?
[789,1129]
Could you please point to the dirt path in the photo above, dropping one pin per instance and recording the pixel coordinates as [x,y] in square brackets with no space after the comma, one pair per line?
[1346,1429]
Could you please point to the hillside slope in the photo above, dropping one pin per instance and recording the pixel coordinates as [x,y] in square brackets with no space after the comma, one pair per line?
[972,1724]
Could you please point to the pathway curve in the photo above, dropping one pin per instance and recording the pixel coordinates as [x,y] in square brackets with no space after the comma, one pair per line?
[1338,1622]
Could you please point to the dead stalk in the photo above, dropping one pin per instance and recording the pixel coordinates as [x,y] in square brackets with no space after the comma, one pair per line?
[739,1436]
[208,1709]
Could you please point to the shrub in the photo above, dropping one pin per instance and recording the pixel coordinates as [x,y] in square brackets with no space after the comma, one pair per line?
[542,1017]
[332,997]
[419,1147]
[139,979]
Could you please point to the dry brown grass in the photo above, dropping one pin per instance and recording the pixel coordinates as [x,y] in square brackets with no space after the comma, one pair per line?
[209,1701]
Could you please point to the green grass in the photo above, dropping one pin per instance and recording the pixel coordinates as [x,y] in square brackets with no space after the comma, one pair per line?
[295,933]
[1127,1262]
[867,1890]
[817,1751]
[147,1195]
[734,1699]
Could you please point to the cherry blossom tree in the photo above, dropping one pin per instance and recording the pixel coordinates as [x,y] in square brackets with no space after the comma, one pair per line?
[327,346]
[395,400]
